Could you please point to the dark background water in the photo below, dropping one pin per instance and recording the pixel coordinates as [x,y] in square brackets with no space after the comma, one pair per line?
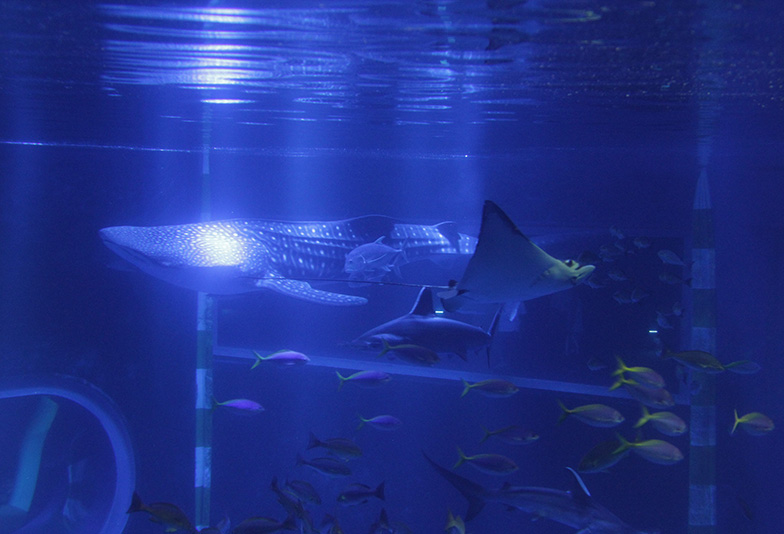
[573,116]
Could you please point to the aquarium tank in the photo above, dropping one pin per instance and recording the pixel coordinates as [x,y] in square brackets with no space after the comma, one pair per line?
[359,266]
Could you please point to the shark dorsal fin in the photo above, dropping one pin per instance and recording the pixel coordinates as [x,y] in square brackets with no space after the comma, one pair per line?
[580,492]
[448,229]
[424,303]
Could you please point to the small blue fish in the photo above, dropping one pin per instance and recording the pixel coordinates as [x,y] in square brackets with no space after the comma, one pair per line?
[653,398]
[645,376]
[360,493]
[343,448]
[167,514]
[304,491]
[492,464]
[655,451]
[670,258]
[411,353]
[365,378]
[754,423]
[381,422]
[597,415]
[241,406]
[331,467]
[491,388]
[281,357]
[667,423]
[513,435]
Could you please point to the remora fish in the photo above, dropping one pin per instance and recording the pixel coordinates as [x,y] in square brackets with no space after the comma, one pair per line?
[245,255]
[575,508]
[508,268]
[423,327]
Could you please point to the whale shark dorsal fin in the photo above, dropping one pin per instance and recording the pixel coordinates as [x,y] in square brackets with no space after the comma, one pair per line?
[580,492]
[424,303]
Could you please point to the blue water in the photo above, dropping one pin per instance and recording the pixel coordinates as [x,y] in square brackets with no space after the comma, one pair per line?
[574,117]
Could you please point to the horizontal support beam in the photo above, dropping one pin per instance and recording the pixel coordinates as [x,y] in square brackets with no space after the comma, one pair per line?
[440,373]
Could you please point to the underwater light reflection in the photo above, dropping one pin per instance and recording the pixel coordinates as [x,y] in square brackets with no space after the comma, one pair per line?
[219,247]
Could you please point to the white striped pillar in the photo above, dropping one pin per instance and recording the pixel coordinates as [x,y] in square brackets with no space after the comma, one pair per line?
[202,479]
[203,447]
[702,455]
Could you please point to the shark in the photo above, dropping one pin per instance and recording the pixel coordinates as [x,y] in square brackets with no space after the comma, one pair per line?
[507,268]
[423,326]
[237,256]
[575,508]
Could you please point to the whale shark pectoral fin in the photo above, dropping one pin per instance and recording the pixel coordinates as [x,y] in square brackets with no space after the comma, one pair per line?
[303,290]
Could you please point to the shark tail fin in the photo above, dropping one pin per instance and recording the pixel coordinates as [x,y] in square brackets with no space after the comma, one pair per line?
[424,303]
[448,229]
[470,490]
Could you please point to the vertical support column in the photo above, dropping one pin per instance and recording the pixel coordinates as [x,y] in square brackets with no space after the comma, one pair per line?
[204,342]
[203,448]
[702,454]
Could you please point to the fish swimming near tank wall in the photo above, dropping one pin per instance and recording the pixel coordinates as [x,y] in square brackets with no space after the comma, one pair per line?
[374,262]
[575,508]
[423,326]
[245,255]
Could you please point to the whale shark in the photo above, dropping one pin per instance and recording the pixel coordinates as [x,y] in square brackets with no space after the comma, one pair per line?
[575,508]
[508,268]
[245,255]
[423,327]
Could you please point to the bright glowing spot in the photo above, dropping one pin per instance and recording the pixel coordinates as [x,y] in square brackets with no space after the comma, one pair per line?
[653,331]
[439,312]
[219,247]
[225,101]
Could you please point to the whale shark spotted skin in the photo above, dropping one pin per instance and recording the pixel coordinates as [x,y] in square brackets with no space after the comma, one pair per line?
[508,268]
[245,255]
